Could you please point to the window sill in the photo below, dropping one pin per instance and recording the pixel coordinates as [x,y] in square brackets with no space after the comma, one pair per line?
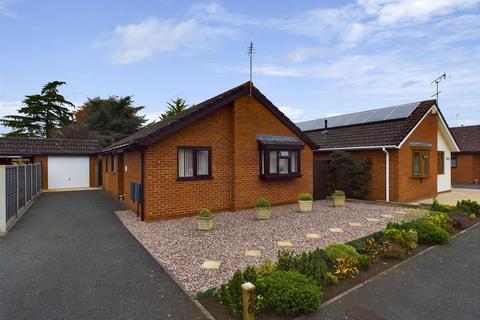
[281,176]
[194,178]
[420,177]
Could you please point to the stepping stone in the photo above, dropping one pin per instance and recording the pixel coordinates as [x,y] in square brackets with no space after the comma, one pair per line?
[335,230]
[387,216]
[210,265]
[373,219]
[355,224]
[253,253]
[286,245]
[400,212]
[313,236]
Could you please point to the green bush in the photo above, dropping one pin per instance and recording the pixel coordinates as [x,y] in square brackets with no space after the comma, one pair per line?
[338,193]
[305,197]
[310,263]
[291,292]
[427,232]
[337,250]
[436,206]
[331,278]
[263,203]
[438,218]
[364,261]
[407,239]
[350,174]
[230,293]
[468,207]
[359,243]
[206,214]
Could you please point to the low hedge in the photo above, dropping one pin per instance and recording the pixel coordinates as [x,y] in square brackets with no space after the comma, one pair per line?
[338,250]
[427,232]
[310,263]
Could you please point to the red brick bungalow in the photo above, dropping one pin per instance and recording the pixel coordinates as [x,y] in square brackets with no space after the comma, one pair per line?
[221,154]
[65,163]
[466,163]
[409,145]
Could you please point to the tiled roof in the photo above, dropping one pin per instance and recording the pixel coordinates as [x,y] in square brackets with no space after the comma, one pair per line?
[374,134]
[158,130]
[24,146]
[468,138]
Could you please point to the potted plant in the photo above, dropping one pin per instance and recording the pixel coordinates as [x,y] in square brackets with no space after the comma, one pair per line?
[338,198]
[305,202]
[205,220]
[262,208]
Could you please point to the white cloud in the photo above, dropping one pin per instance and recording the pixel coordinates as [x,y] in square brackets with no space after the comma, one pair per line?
[5,11]
[303,54]
[154,37]
[8,108]
[295,114]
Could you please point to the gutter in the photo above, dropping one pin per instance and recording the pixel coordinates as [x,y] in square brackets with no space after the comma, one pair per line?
[387,174]
[359,148]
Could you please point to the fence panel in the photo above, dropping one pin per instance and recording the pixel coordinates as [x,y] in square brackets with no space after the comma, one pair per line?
[11,193]
[28,184]
[21,186]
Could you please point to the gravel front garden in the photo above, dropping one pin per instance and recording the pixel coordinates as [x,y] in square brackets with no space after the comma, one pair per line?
[182,248]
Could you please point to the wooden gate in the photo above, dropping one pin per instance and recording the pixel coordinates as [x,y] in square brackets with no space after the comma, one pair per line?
[320,178]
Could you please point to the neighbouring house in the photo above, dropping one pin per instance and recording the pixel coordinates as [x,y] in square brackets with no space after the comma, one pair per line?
[409,145]
[221,154]
[65,163]
[466,163]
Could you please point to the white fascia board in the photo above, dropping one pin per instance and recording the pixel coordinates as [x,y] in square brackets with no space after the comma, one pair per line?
[358,148]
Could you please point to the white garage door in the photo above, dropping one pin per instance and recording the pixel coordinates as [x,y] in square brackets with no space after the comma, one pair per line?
[68,172]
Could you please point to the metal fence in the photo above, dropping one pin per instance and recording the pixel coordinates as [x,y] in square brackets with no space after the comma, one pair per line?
[19,186]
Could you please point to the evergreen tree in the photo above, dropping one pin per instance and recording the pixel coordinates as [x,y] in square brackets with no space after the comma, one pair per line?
[41,114]
[174,106]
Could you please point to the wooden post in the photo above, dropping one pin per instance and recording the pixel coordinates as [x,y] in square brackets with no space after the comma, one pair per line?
[248,293]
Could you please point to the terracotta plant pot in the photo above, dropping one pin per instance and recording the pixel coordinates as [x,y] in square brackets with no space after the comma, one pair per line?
[204,224]
[263,213]
[305,205]
[338,201]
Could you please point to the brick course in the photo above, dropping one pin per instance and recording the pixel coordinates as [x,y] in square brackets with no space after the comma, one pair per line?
[468,168]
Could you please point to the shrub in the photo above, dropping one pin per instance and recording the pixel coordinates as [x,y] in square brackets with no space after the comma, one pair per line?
[472,216]
[436,206]
[438,218]
[310,263]
[338,250]
[468,207]
[359,243]
[206,214]
[230,293]
[291,292]
[331,278]
[263,203]
[373,249]
[391,250]
[346,267]
[338,193]
[415,214]
[427,232]
[350,174]
[461,222]
[406,239]
[305,197]
[364,261]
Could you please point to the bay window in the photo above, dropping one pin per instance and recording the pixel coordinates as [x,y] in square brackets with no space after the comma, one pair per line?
[279,162]
[194,163]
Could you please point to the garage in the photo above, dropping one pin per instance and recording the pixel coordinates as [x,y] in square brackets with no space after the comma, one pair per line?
[65,163]
[68,172]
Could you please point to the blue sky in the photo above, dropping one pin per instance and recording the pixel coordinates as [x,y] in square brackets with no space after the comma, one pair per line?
[313,58]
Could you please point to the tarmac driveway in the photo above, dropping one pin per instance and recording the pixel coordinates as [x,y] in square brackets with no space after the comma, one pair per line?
[69,257]
[443,283]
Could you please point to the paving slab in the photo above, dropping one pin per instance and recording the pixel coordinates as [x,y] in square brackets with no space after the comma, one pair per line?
[284,245]
[313,236]
[211,265]
[69,257]
[335,230]
[373,220]
[355,224]
[253,253]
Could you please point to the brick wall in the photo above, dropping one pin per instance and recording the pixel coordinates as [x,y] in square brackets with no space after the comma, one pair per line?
[410,188]
[468,168]
[235,184]
[131,172]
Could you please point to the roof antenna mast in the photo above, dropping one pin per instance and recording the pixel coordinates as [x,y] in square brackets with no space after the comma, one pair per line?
[251,51]
[437,81]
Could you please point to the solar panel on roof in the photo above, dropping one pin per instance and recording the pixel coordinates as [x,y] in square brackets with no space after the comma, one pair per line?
[383,114]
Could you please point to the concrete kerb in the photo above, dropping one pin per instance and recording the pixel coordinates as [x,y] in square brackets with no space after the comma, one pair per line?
[192,298]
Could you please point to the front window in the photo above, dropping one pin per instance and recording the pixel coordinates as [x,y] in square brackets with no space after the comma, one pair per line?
[279,163]
[194,163]
[420,163]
